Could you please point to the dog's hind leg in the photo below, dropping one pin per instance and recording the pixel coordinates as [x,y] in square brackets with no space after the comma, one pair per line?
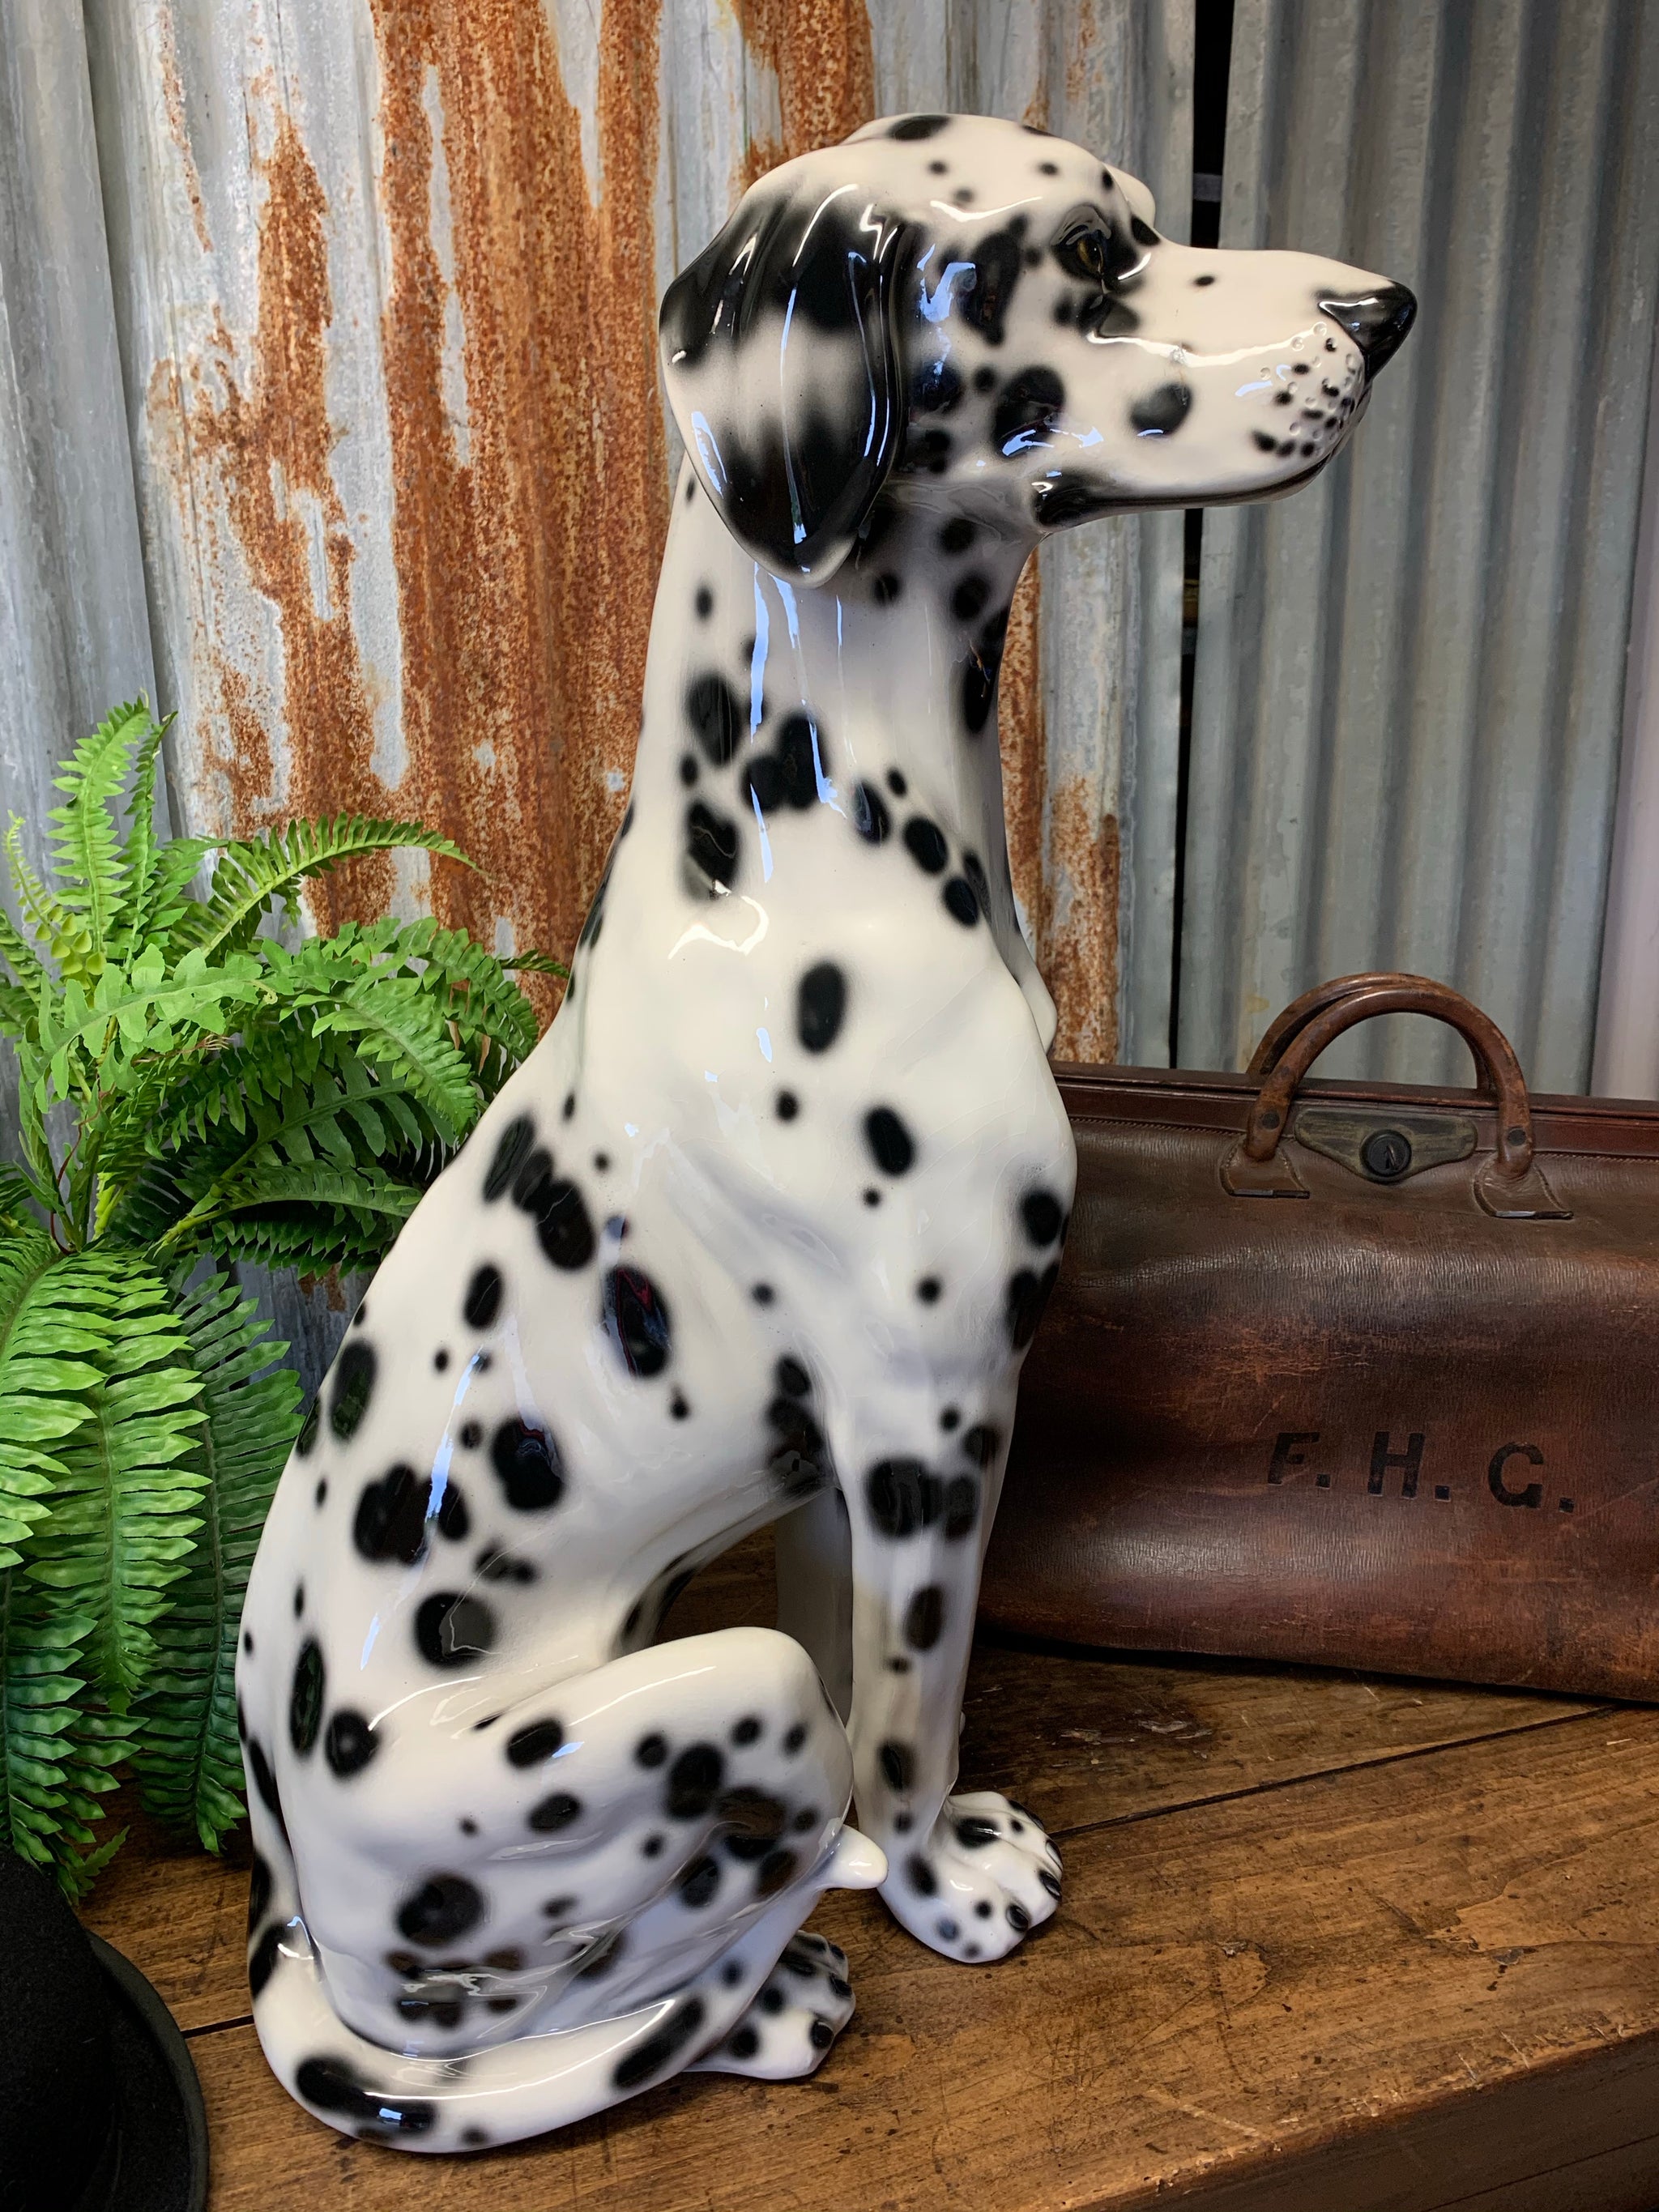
[642,1841]
[718,2019]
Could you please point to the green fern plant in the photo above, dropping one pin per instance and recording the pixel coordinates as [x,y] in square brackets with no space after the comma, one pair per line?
[193,1089]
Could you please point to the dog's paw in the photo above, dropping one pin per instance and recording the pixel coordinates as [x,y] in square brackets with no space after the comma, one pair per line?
[986,1875]
[800,2010]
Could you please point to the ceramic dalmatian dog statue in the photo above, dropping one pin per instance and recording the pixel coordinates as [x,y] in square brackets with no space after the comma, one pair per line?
[763,1226]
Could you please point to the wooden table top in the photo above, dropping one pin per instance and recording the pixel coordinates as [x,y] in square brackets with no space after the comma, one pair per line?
[1326,1942]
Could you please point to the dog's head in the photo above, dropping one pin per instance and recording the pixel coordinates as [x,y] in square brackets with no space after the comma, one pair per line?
[980,319]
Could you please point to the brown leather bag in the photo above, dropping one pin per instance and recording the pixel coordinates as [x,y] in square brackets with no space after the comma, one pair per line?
[1348,1373]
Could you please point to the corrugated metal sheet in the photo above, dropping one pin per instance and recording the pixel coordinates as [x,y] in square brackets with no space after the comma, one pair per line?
[74,633]
[1409,678]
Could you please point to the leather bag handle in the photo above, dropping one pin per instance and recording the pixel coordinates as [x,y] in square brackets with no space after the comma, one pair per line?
[1297,1016]
[1509,1185]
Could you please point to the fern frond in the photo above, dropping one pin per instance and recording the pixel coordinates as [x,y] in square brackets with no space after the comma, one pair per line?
[141,851]
[88,860]
[139,1010]
[396,1026]
[56,925]
[45,1369]
[124,1512]
[532,962]
[253,873]
[186,1752]
[56,1759]
[163,913]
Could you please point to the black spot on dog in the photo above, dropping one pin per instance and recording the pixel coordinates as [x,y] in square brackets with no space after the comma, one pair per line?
[258,1892]
[776,1870]
[788,1105]
[1028,1294]
[1041,1211]
[498,1566]
[557,1207]
[329,2085]
[904,1495]
[265,1781]
[960,903]
[716,716]
[887,588]
[747,1730]
[554,1813]
[929,1289]
[636,1320]
[969,598]
[660,2049]
[305,1704]
[528,1462]
[921,1875]
[651,1750]
[957,535]
[792,1378]
[743,2042]
[699,1882]
[536,1741]
[1265,441]
[820,1005]
[799,758]
[928,450]
[307,1436]
[349,1743]
[453,1629]
[936,389]
[689,771]
[711,846]
[981,1444]
[919,126]
[898,1764]
[795,1737]
[924,1617]
[1160,414]
[997,263]
[483,1297]
[961,1505]
[799,1459]
[391,1516]
[869,812]
[262,1963]
[1201,281]
[353,1386]
[446,1907]
[892,1145]
[1028,412]
[704,602]
[973,1832]
[978,692]
[694,1781]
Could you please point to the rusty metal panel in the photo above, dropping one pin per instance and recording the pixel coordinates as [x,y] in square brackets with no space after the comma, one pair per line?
[386,274]
[1409,678]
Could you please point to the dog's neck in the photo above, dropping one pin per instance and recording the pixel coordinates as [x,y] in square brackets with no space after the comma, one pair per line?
[892,662]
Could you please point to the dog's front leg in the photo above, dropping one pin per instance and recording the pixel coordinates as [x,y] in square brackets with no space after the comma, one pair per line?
[969,1873]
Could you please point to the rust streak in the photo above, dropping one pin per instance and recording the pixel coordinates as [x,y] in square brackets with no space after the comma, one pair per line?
[270,440]
[173,98]
[1077,950]
[1063,852]
[820,52]
[525,570]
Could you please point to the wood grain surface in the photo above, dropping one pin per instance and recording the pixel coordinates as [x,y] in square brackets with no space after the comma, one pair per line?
[1324,1941]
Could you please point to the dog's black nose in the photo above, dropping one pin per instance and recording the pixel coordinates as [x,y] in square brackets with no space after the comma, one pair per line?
[1376,321]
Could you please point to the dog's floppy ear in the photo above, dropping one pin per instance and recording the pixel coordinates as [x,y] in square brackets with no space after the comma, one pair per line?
[779,353]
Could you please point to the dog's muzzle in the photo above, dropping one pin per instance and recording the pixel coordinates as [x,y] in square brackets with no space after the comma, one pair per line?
[1376,322]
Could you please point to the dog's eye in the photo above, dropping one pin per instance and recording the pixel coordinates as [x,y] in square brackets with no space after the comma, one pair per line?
[1093,248]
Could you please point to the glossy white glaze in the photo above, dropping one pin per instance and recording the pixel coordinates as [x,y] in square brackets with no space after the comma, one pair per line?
[763,1226]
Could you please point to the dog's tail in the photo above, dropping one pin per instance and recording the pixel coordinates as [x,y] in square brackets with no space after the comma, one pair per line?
[532,2083]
